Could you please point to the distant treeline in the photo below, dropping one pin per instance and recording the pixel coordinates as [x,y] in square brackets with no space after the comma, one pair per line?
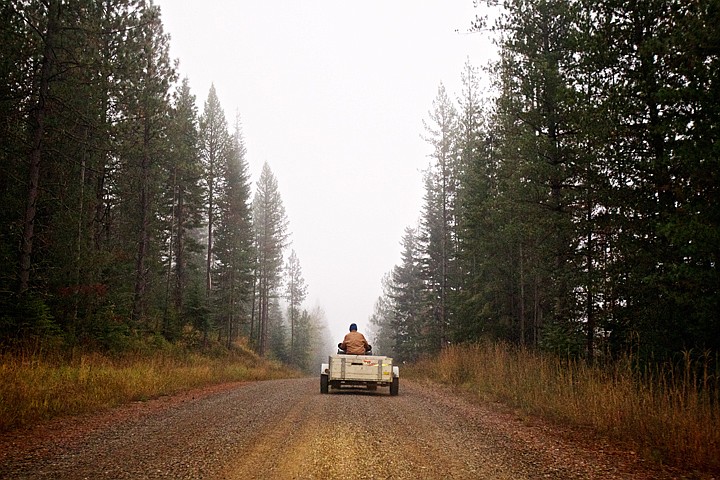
[123,212]
[575,205]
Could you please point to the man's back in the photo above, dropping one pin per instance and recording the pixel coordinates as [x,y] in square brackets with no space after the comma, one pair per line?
[355,343]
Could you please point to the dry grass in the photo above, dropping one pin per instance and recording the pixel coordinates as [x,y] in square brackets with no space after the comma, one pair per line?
[35,388]
[669,416]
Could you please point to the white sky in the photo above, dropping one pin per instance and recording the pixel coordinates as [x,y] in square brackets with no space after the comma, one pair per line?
[332,94]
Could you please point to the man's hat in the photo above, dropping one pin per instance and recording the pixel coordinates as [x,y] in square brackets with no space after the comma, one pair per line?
[353,327]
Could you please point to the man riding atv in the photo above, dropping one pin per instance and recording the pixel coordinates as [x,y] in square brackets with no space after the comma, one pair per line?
[354,343]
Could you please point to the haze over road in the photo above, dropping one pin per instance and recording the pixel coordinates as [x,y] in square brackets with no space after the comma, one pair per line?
[286,429]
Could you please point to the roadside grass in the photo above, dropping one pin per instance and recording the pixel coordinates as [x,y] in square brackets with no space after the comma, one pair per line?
[669,415]
[39,387]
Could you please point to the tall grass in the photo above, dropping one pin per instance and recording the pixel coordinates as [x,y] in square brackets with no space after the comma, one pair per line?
[39,387]
[669,414]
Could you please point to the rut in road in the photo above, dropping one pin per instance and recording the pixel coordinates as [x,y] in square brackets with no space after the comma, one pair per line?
[286,429]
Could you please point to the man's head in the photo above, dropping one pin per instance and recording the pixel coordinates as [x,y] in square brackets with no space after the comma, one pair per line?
[353,327]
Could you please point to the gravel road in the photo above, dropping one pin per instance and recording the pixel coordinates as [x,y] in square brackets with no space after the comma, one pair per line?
[286,429]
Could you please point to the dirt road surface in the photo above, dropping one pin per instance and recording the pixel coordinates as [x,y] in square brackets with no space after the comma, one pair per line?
[286,429]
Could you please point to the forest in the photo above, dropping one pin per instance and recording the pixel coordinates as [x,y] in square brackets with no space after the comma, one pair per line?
[573,207]
[127,214]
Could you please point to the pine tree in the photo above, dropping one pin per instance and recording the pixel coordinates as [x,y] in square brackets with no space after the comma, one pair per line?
[305,339]
[214,148]
[658,76]
[439,224]
[477,188]
[412,318]
[83,128]
[313,341]
[295,293]
[277,332]
[384,333]
[183,208]
[15,37]
[37,119]
[151,108]
[271,237]
[33,33]
[537,159]
[234,241]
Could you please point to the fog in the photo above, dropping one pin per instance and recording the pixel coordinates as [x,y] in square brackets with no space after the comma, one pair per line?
[333,96]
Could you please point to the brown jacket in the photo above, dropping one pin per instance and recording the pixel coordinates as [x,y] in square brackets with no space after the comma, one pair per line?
[354,343]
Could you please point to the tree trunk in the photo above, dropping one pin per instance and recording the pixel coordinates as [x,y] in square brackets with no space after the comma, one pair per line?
[589,259]
[37,132]
[211,219]
[522,298]
[171,252]
[141,280]
[253,309]
[180,259]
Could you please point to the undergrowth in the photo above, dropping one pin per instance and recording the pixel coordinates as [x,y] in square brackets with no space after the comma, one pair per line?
[670,413]
[39,386]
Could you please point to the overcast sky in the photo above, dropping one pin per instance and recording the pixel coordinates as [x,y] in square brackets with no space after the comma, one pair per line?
[332,94]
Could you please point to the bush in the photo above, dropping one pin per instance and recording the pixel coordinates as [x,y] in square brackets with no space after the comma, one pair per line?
[25,319]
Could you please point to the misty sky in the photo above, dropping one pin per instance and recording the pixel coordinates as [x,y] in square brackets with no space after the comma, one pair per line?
[332,95]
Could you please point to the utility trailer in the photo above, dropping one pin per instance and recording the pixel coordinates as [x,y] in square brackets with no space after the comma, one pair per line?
[369,371]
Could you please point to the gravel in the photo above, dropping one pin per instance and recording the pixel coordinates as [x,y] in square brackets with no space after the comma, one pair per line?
[286,429]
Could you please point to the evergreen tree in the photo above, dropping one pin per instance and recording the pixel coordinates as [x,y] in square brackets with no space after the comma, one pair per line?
[30,60]
[277,332]
[411,314]
[295,293]
[183,209]
[439,234]
[583,214]
[214,148]
[234,244]
[477,189]
[37,118]
[537,161]
[657,73]
[271,238]
[86,102]
[383,332]
[313,342]
[301,350]
[15,42]
[149,106]
[92,178]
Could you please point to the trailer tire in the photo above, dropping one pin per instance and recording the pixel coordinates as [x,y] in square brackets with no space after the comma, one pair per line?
[395,386]
[324,381]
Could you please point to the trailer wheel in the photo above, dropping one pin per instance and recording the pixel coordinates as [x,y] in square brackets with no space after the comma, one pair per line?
[395,386]
[324,383]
